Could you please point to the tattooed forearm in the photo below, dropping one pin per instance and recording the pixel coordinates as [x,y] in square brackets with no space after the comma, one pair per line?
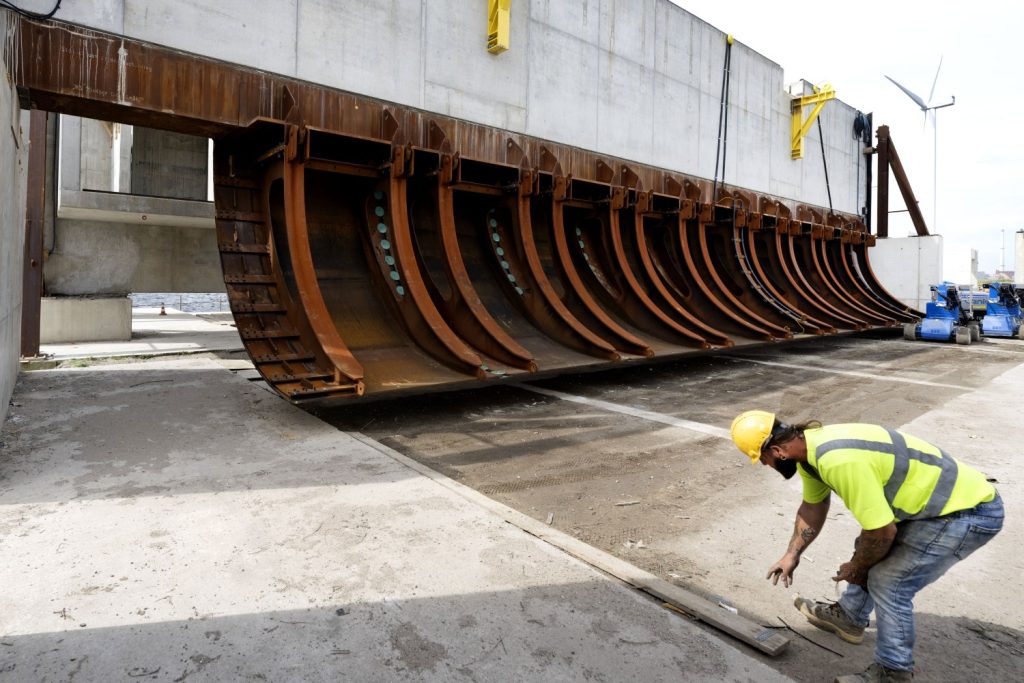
[872,547]
[809,520]
[871,551]
[802,537]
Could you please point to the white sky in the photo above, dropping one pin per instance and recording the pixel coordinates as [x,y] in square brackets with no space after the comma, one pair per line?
[853,45]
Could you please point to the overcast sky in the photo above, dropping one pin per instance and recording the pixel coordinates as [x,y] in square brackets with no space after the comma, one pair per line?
[854,45]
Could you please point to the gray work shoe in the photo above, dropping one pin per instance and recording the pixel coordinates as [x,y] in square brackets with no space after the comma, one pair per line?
[829,616]
[876,673]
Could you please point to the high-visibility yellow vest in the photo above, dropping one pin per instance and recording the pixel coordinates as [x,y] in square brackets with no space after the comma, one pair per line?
[884,475]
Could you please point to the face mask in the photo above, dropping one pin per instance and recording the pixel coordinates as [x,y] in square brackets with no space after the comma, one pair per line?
[787,468]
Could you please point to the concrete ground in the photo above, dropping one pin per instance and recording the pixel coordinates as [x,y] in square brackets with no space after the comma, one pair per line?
[638,463]
[155,335]
[169,520]
[191,520]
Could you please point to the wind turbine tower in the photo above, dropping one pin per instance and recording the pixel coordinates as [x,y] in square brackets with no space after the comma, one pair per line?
[927,107]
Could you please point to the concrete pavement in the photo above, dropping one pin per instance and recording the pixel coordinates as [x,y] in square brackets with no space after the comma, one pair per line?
[156,335]
[167,520]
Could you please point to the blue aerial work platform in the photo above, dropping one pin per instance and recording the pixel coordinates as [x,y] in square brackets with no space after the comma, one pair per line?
[946,318]
[1003,311]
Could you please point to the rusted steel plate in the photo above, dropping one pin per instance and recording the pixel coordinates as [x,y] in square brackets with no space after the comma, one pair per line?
[273,325]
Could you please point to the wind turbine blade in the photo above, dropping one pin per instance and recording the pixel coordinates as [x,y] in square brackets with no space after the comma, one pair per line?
[936,80]
[911,95]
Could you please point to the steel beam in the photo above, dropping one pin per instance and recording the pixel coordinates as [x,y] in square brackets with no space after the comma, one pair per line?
[35,217]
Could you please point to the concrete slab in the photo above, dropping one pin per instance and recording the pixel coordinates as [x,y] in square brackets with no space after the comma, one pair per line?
[167,520]
[157,335]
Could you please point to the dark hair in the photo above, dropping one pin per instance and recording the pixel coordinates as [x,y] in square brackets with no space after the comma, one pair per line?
[784,433]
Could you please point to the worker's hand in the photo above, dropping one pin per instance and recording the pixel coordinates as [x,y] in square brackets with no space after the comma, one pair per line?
[783,569]
[850,573]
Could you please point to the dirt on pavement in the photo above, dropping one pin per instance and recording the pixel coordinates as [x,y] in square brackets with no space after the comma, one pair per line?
[688,507]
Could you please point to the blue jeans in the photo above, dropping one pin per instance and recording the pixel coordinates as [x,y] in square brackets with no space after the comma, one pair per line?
[922,552]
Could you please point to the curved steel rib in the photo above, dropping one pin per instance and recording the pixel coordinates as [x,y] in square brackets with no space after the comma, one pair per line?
[643,250]
[278,334]
[860,252]
[639,307]
[293,172]
[847,299]
[778,284]
[463,308]
[834,253]
[424,323]
[796,277]
[542,303]
[783,311]
[620,338]
[671,261]
[732,303]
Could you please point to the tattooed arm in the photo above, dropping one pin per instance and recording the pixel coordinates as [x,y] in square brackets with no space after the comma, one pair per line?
[810,518]
[870,548]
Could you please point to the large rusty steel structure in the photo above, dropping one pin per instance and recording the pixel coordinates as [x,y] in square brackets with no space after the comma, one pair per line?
[369,248]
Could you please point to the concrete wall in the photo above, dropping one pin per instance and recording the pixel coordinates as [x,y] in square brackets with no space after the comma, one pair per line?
[12,232]
[166,164]
[77,319]
[908,266]
[100,257]
[639,80]
[115,242]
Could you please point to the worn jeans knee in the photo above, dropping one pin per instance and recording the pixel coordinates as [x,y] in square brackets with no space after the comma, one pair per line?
[923,551]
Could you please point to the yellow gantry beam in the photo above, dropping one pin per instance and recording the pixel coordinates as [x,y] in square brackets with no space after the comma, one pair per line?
[800,126]
[498,25]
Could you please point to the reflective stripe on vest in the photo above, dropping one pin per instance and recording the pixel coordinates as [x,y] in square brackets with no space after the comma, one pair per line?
[902,455]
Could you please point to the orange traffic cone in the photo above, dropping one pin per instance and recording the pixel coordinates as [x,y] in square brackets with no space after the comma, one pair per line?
[162,311]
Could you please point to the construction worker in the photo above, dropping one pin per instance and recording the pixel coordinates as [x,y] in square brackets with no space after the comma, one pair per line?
[921,511]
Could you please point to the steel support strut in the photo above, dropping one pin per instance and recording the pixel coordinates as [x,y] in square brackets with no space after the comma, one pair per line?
[35,216]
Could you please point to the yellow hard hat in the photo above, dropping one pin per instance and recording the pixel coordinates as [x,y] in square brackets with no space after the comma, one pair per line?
[751,430]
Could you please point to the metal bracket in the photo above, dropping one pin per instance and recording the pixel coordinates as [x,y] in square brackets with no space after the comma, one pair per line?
[800,126]
[498,25]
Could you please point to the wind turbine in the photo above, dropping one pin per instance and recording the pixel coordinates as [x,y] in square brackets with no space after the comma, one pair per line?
[929,107]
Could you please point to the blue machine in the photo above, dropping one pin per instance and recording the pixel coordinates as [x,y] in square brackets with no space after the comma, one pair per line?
[946,319]
[1002,312]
